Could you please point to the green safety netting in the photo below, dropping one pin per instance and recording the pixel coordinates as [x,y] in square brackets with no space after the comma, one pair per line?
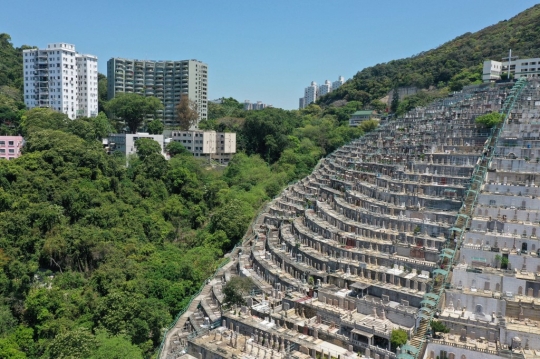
[410,348]
[404,356]
[432,296]
[429,302]
[440,271]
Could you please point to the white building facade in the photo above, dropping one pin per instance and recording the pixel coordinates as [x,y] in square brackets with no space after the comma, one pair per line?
[218,146]
[529,68]
[325,88]
[59,78]
[338,83]
[311,93]
[125,142]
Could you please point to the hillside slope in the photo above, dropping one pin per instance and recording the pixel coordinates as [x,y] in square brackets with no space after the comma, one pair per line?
[437,67]
[11,73]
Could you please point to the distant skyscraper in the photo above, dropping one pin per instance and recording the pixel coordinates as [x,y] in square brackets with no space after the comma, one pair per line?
[248,106]
[301,103]
[166,80]
[311,93]
[338,83]
[60,78]
[326,88]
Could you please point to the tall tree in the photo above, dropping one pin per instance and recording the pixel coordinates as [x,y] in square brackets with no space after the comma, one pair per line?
[395,100]
[102,92]
[187,113]
[155,127]
[133,109]
[146,147]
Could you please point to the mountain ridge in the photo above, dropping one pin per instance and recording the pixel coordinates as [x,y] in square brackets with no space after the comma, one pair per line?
[437,67]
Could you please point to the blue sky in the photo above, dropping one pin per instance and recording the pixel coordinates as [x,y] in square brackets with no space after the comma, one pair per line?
[259,49]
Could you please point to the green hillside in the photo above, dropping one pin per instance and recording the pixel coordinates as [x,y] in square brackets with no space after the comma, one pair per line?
[10,63]
[453,64]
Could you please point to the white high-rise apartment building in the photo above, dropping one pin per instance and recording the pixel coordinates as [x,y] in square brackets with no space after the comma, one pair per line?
[311,93]
[59,78]
[166,80]
[325,88]
[338,83]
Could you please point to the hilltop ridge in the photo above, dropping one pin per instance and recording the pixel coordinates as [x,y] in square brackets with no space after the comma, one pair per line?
[454,64]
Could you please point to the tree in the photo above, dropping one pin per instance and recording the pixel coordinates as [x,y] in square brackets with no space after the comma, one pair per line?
[133,108]
[398,338]
[115,347]
[78,343]
[233,218]
[395,100]
[490,119]
[236,289]
[155,127]
[176,148]
[439,327]
[378,105]
[187,113]
[43,119]
[102,92]
[146,147]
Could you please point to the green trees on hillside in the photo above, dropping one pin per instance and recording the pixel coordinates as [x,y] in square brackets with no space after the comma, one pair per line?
[132,109]
[454,64]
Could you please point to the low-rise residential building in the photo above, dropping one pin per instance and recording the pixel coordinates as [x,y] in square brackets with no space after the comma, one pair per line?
[519,68]
[218,146]
[360,116]
[125,142]
[10,147]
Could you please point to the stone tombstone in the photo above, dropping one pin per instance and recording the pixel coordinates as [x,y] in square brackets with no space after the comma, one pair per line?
[463,335]
[249,302]
[516,343]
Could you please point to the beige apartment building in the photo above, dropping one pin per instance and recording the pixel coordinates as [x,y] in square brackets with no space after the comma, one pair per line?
[217,146]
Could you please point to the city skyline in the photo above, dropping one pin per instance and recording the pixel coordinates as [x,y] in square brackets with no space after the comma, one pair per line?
[261,52]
